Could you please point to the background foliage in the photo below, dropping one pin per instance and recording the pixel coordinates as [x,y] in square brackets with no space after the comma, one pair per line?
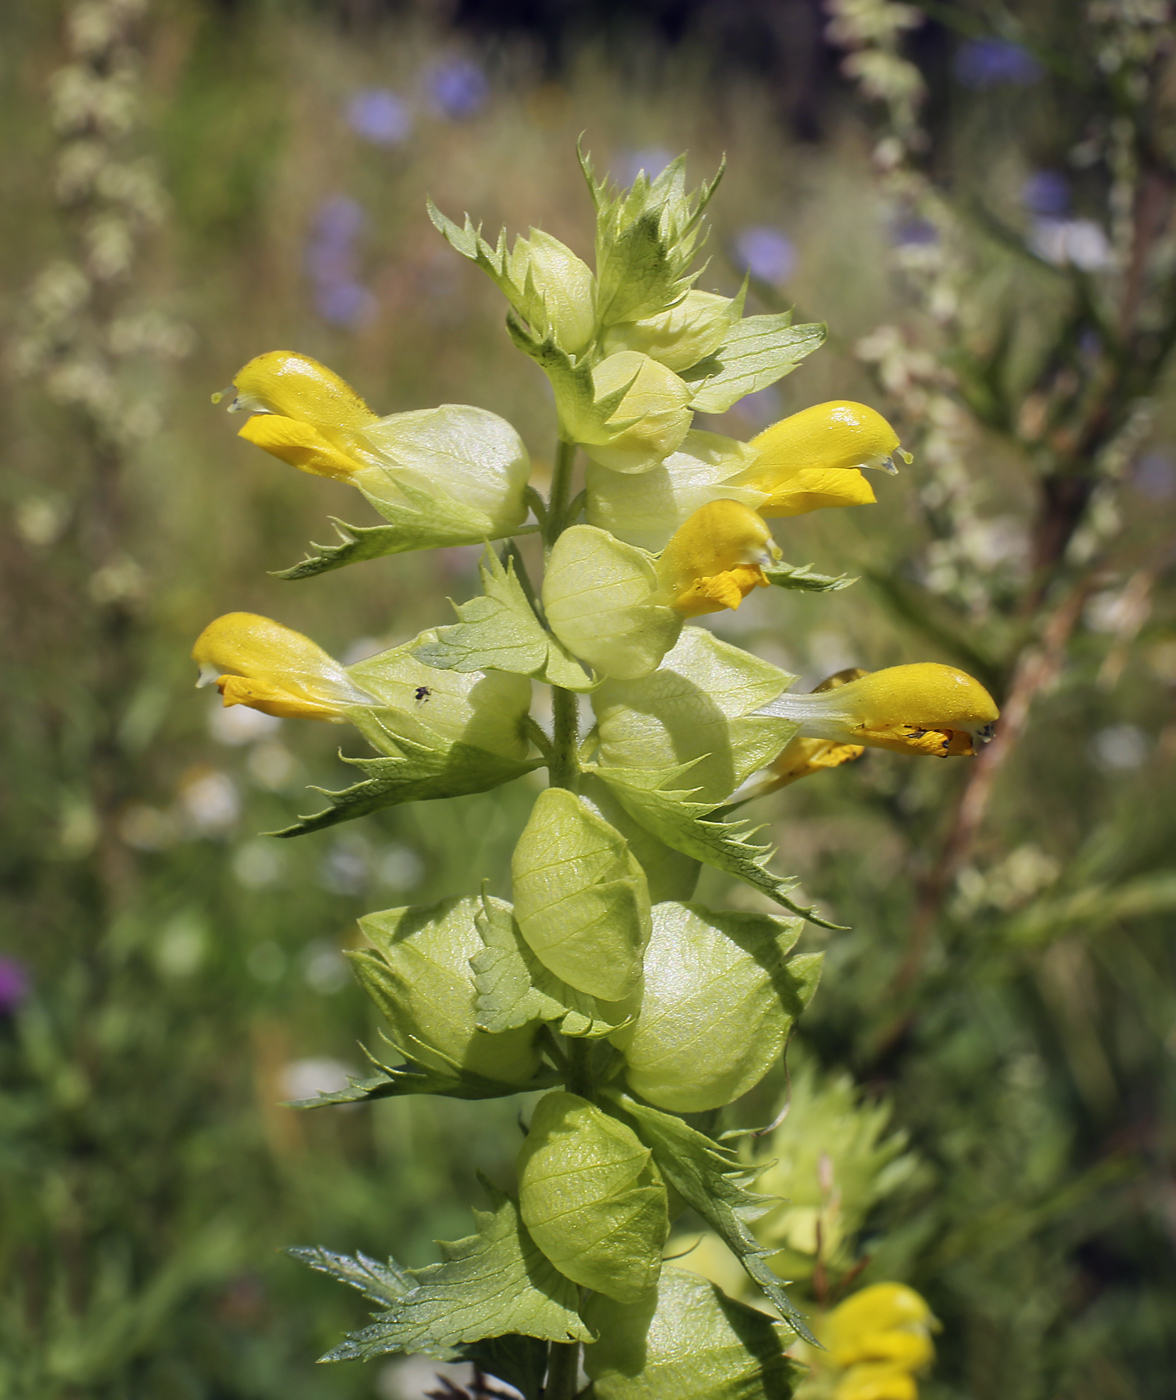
[169,975]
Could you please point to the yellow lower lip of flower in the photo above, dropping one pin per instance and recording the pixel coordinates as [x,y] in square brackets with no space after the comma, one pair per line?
[906,738]
[724,590]
[802,757]
[273,700]
[812,488]
[302,445]
[876,1381]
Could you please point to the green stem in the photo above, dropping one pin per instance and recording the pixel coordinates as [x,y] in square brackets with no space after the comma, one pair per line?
[564,768]
[561,485]
[563,1371]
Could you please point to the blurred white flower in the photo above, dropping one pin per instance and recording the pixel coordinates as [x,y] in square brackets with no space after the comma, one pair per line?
[1120,747]
[238,724]
[208,799]
[303,1079]
[1076,243]
[258,863]
[399,867]
[325,968]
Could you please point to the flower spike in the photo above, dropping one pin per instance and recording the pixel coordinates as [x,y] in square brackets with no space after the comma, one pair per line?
[926,708]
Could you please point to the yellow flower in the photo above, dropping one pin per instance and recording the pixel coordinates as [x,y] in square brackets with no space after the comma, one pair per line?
[880,1337]
[442,476]
[257,662]
[926,708]
[304,413]
[716,558]
[813,458]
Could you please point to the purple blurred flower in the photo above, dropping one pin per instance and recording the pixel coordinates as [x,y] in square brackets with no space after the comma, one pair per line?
[1155,476]
[457,88]
[345,303]
[652,159]
[766,253]
[986,63]
[913,231]
[331,263]
[379,115]
[1047,193]
[15,985]
[338,221]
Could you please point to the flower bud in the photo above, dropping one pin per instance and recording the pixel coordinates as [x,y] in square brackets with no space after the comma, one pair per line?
[257,662]
[592,1198]
[555,290]
[886,1324]
[418,974]
[719,1002]
[295,386]
[683,335]
[927,708]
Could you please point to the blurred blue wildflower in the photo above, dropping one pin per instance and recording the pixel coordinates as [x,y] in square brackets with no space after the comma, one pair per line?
[339,296]
[1079,243]
[913,231]
[378,115]
[457,88]
[1155,476]
[987,63]
[629,164]
[15,985]
[1046,192]
[766,253]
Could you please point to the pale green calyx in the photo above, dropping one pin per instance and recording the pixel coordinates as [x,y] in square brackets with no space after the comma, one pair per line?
[650,418]
[600,597]
[438,709]
[646,508]
[418,974]
[681,336]
[700,704]
[591,1197]
[580,897]
[720,999]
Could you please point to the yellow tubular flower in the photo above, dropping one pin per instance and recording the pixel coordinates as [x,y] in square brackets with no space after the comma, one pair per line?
[881,1336]
[257,662]
[927,708]
[813,459]
[304,413]
[715,559]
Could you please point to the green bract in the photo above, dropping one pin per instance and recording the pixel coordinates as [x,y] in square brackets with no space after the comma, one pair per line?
[580,897]
[688,1342]
[698,708]
[592,1198]
[719,1001]
[681,336]
[599,596]
[418,974]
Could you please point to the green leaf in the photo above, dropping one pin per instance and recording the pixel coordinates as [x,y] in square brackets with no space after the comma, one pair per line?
[802,577]
[520,1361]
[713,1181]
[720,1000]
[395,1081]
[380,1283]
[758,351]
[423,774]
[492,1284]
[418,973]
[514,988]
[499,631]
[580,897]
[590,1197]
[673,816]
[358,542]
[688,1342]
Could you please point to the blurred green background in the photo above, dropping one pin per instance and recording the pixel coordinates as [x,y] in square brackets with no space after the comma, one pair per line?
[169,975]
